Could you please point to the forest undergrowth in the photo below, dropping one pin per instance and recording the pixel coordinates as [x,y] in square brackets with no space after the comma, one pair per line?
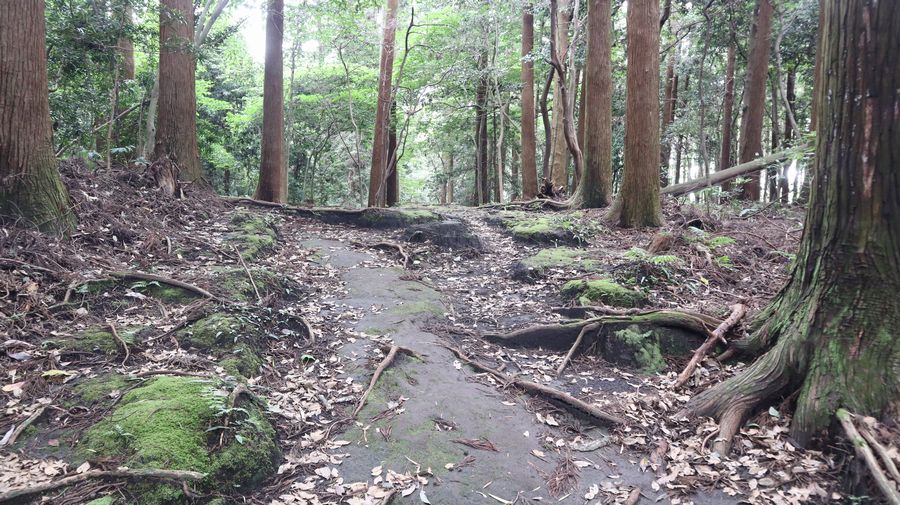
[204,335]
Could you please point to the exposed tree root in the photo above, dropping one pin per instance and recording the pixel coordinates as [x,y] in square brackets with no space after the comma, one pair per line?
[393,245]
[863,451]
[584,330]
[385,363]
[717,335]
[561,336]
[565,399]
[249,275]
[177,475]
[112,328]
[164,280]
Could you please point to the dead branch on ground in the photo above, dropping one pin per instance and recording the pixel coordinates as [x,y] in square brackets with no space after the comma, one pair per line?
[718,335]
[385,363]
[164,280]
[565,361]
[132,474]
[249,275]
[25,424]
[121,341]
[864,452]
[393,245]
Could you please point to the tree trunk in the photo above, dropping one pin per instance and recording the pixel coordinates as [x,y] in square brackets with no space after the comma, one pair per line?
[559,157]
[380,160]
[755,96]
[273,183]
[176,131]
[638,203]
[393,176]
[126,47]
[500,157]
[831,332]
[578,83]
[727,112]
[595,188]
[772,171]
[783,185]
[30,187]
[481,134]
[667,118]
[529,142]
[548,129]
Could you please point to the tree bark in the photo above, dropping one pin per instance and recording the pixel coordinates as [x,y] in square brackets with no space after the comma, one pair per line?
[772,171]
[667,118]
[559,157]
[754,105]
[393,176]
[30,186]
[500,158]
[727,112]
[548,129]
[595,188]
[638,203]
[482,186]
[273,180]
[380,160]
[783,186]
[831,335]
[529,141]
[126,47]
[176,131]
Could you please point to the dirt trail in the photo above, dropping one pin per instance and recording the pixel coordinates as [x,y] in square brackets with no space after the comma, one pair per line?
[429,404]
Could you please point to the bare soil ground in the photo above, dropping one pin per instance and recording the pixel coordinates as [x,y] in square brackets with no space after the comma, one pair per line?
[284,317]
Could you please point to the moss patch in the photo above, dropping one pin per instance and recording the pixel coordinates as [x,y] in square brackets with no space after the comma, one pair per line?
[166,424]
[101,339]
[253,235]
[545,228]
[602,290]
[643,347]
[218,330]
[415,308]
[99,388]
[235,284]
[534,267]
[242,362]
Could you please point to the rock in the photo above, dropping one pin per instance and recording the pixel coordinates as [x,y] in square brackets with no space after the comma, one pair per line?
[535,267]
[604,291]
[253,236]
[541,228]
[448,233]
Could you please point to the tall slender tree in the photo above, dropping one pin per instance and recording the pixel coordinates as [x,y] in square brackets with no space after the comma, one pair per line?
[830,335]
[559,156]
[754,106]
[273,180]
[529,141]
[380,155]
[638,202]
[30,187]
[595,187]
[176,131]
[727,112]
[667,119]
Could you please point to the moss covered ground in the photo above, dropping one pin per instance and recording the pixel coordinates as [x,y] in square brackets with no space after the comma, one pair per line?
[587,291]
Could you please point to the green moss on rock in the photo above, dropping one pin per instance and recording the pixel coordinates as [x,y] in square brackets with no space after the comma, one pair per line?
[98,388]
[235,284]
[241,362]
[216,331]
[253,235]
[535,266]
[643,346]
[170,423]
[606,291]
[100,339]
[544,228]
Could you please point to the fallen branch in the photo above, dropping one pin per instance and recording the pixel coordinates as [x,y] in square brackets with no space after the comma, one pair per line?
[864,452]
[534,388]
[165,280]
[249,275]
[718,335]
[386,362]
[565,361]
[15,262]
[26,423]
[112,328]
[398,247]
[882,452]
[179,475]
[726,175]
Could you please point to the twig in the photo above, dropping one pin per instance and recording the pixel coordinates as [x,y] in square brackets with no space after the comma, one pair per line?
[386,362]
[26,423]
[864,452]
[121,342]
[10,261]
[542,390]
[882,452]
[398,247]
[178,475]
[252,282]
[565,361]
[165,280]
[737,312]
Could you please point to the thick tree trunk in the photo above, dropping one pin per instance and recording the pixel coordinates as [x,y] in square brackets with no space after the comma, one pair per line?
[831,332]
[380,160]
[273,184]
[667,118]
[176,130]
[126,47]
[727,112]
[755,96]
[30,187]
[393,176]
[638,203]
[529,141]
[595,188]
[559,157]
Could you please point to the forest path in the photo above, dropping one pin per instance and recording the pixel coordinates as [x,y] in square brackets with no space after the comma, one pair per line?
[418,409]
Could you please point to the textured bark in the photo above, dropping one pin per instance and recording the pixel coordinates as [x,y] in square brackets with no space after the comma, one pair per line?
[772,171]
[595,188]
[638,203]
[392,197]
[273,184]
[380,160]
[667,118]
[681,104]
[126,47]
[559,155]
[568,112]
[754,105]
[30,187]
[176,130]
[481,137]
[831,332]
[727,112]
[548,129]
[783,186]
[500,157]
[529,141]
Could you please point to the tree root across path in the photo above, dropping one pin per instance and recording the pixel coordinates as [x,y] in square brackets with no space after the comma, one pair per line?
[177,475]
[568,401]
[385,363]
[860,444]
[717,335]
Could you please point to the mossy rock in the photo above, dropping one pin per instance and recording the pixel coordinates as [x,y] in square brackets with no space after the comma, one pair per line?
[161,291]
[234,284]
[217,331]
[632,346]
[587,291]
[95,389]
[241,362]
[542,228]
[100,339]
[449,233]
[253,235]
[534,267]
[175,423]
